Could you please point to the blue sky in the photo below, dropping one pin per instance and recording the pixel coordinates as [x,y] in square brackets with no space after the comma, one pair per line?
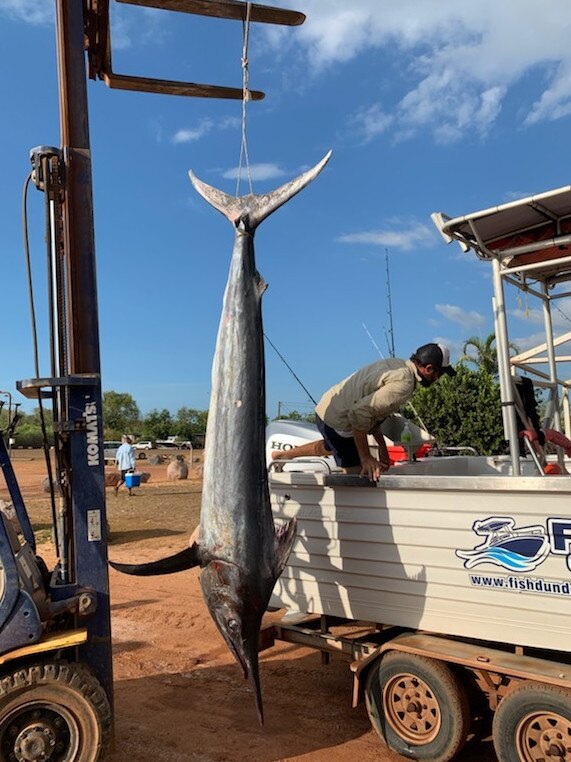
[448,106]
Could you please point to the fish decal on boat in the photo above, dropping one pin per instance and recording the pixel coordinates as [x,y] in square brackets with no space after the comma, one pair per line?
[241,552]
[521,549]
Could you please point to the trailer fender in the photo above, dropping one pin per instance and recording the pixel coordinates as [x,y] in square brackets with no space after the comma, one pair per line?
[479,658]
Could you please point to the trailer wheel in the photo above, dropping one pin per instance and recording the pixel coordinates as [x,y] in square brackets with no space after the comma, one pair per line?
[533,723]
[55,712]
[418,707]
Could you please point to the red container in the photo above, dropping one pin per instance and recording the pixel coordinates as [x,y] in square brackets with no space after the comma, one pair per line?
[397,454]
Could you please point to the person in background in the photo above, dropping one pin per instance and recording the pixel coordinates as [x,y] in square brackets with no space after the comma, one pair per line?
[125,460]
[356,407]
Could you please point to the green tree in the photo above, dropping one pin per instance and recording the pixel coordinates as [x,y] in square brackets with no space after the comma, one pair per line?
[158,424]
[120,414]
[482,353]
[28,432]
[464,411]
[189,421]
[294,415]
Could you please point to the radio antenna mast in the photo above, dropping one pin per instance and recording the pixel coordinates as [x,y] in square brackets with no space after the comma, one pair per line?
[391,333]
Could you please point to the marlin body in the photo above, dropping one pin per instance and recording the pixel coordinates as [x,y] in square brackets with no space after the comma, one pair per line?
[240,551]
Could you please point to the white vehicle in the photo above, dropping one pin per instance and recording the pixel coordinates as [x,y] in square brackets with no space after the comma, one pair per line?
[110,451]
[460,565]
[142,448]
[173,443]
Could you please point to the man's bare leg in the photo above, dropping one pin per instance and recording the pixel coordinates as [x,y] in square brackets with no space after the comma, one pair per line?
[315,449]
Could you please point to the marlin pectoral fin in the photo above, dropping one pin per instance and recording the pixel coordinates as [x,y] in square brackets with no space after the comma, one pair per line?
[285,538]
[186,559]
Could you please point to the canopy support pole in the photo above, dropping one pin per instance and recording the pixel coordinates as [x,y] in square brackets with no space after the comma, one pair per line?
[506,384]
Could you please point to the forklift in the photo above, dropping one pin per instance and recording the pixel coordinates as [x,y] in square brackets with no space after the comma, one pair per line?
[56,679]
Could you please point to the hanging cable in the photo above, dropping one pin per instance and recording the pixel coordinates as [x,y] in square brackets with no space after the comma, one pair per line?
[45,445]
[558,308]
[282,358]
[29,275]
[245,99]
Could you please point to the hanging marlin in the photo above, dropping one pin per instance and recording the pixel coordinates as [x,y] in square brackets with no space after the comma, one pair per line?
[240,551]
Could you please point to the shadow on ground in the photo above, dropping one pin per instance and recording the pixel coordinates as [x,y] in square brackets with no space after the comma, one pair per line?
[207,713]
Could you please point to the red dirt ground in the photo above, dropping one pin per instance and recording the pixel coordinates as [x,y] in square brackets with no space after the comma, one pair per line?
[179,695]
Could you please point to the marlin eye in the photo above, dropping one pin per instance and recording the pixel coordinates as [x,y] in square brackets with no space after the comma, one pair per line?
[233,625]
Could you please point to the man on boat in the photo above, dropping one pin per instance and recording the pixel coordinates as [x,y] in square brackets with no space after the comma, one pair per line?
[357,406]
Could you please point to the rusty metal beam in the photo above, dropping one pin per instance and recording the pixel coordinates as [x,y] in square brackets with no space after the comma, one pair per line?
[78,230]
[173,87]
[226,9]
[98,44]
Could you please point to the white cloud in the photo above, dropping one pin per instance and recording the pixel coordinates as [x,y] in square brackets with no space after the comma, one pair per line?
[455,347]
[192,134]
[560,314]
[459,59]
[257,172]
[523,343]
[372,121]
[30,11]
[404,236]
[144,24]
[470,320]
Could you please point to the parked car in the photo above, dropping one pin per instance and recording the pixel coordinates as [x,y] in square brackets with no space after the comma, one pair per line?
[110,451]
[143,447]
[174,443]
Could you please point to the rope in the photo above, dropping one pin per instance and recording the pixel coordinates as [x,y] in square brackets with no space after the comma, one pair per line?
[245,99]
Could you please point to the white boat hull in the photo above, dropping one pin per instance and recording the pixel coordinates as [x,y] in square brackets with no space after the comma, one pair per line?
[388,554]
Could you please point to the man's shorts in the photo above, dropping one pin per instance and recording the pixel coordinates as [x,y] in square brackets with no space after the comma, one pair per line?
[344,448]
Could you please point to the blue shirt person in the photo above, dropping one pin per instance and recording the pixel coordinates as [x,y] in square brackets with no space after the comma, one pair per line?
[125,460]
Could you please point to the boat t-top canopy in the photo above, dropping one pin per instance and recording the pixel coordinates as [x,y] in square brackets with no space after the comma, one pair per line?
[528,243]
[531,235]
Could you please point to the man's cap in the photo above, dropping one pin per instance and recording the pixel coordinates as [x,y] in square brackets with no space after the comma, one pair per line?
[437,355]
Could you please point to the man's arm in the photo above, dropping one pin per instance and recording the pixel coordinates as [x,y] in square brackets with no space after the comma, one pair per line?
[370,466]
[384,458]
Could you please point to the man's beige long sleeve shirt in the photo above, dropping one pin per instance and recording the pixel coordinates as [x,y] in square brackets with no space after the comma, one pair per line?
[367,397]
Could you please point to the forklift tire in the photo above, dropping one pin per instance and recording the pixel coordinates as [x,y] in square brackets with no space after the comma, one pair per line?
[533,722]
[55,712]
[417,706]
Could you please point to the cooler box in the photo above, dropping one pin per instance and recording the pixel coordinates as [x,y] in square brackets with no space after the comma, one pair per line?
[132,480]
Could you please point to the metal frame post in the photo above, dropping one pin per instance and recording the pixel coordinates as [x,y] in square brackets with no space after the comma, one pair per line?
[566,413]
[552,364]
[506,384]
[551,361]
[82,430]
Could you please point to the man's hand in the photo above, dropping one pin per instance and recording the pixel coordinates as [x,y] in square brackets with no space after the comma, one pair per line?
[372,468]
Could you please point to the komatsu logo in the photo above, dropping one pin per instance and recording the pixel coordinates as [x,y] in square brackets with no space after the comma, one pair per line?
[93,452]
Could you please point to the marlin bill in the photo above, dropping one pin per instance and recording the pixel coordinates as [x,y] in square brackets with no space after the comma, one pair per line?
[241,552]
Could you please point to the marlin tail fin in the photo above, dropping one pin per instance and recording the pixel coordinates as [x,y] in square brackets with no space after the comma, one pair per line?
[186,559]
[255,208]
